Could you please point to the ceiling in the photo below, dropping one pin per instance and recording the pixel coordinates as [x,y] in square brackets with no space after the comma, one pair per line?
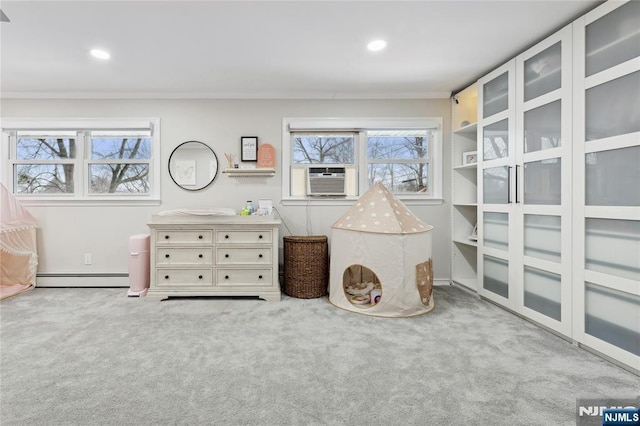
[265,49]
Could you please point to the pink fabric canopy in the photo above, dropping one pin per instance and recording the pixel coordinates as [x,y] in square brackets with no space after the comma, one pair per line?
[18,251]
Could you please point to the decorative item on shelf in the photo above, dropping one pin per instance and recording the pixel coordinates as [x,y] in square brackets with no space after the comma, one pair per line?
[474,233]
[469,157]
[249,148]
[266,156]
[230,158]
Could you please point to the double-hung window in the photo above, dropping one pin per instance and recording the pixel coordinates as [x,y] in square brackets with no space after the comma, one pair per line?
[400,159]
[82,159]
[403,154]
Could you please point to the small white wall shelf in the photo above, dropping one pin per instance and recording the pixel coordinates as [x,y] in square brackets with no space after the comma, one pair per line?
[257,172]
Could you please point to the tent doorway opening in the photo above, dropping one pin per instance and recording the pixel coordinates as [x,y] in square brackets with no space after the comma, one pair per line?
[362,287]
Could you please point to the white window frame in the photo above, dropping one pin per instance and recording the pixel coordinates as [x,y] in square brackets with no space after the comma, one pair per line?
[361,125]
[81,195]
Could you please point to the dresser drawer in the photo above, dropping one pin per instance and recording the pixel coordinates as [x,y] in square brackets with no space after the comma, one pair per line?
[164,237]
[167,277]
[243,237]
[184,256]
[241,277]
[232,255]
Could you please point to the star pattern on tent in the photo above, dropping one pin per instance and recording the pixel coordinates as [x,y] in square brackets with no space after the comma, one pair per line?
[378,210]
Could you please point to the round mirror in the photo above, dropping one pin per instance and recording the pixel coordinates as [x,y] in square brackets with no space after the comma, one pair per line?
[193,165]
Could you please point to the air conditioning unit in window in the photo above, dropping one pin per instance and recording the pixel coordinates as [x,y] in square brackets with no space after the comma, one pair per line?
[325,181]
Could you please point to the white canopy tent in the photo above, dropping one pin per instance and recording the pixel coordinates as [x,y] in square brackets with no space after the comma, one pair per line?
[18,251]
[381,258]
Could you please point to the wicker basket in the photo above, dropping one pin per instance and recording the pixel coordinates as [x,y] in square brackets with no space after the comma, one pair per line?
[306,266]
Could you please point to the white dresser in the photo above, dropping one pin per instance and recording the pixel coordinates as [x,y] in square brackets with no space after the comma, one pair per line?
[200,255]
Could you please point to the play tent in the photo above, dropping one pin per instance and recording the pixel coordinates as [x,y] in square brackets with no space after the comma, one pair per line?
[381,258]
[18,254]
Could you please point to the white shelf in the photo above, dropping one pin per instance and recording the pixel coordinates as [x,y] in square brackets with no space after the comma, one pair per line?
[469,129]
[257,172]
[467,166]
[467,241]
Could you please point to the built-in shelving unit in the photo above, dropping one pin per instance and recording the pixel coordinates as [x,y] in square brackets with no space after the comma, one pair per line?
[464,188]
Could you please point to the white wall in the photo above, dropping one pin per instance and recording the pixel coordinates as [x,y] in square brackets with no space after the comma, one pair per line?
[67,233]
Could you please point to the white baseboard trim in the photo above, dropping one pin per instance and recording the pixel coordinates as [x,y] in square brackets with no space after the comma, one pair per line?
[113,280]
[82,280]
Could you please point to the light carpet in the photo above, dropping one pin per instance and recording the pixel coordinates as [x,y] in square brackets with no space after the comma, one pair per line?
[92,356]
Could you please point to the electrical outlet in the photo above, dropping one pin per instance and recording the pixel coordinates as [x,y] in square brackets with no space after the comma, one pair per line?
[87,258]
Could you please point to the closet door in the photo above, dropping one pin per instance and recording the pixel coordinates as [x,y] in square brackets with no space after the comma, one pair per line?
[543,181]
[606,187]
[496,167]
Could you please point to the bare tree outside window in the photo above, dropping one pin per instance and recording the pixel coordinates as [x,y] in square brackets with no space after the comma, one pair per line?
[323,149]
[119,173]
[49,173]
[399,159]
[119,162]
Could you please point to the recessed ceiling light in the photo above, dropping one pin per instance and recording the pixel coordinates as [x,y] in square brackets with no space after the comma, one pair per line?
[100,54]
[376,45]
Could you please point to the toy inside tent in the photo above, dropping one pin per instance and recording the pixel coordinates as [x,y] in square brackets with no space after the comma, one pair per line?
[18,250]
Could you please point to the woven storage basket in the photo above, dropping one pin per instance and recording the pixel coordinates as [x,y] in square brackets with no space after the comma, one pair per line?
[306,266]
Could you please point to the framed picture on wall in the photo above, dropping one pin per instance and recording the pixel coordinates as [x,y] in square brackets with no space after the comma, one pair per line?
[249,148]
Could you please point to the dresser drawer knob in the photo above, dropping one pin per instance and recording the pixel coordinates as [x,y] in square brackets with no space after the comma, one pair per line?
[166,237]
[260,277]
[166,277]
[260,255]
[260,236]
[199,277]
[166,255]
[200,256]
[226,255]
[226,277]
[199,237]
[226,237]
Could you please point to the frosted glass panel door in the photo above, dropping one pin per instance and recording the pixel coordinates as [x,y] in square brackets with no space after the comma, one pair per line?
[496,276]
[542,72]
[612,108]
[542,237]
[496,182]
[543,181]
[613,39]
[495,140]
[613,177]
[613,247]
[606,159]
[542,127]
[495,95]
[613,316]
[496,230]
[496,149]
[542,292]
